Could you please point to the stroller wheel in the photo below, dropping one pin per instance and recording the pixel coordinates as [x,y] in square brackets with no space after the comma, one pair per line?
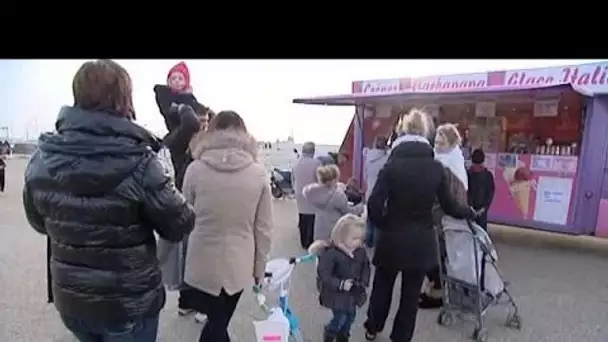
[445,318]
[514,321]
[276,192]
[480,335]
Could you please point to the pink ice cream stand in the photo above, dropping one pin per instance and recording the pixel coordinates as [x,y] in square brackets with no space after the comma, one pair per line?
[543,131]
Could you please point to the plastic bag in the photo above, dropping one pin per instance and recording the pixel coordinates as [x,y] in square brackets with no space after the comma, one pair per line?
[273,329]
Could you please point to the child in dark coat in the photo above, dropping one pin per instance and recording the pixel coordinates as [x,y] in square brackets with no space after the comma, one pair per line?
[481,188]
[343,275]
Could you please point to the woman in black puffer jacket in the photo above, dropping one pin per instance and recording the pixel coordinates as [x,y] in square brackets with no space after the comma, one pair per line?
[98,190]
[401,207]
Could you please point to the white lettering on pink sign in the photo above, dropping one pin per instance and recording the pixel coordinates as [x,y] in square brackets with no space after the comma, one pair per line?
[591,78]
[449,83]
[380,87]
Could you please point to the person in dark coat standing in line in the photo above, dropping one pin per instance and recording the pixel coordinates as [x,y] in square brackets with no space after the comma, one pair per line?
[401,206]
[481,188]
[181,126]
[97,189]
[184,118]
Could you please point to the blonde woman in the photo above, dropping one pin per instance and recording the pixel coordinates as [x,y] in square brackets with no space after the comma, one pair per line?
[401,206]
[448,153]
[328,200]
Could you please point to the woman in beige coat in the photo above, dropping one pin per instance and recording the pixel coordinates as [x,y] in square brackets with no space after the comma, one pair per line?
[230,193]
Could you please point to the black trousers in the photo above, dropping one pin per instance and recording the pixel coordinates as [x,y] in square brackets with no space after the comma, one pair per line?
[2,180]
[306,225]
[219,310]
[184,301]
[380,302]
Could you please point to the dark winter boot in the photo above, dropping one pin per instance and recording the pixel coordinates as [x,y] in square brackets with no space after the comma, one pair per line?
[328,336]
[427,302]
[342,338]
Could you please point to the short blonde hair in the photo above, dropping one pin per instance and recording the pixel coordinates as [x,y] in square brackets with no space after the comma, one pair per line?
[447,135]
[345,226]
[416,122]
[327,173]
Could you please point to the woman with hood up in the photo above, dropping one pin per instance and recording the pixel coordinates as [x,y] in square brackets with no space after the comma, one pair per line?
[401,208]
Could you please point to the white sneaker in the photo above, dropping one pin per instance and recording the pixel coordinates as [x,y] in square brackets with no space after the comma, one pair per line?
[200,318]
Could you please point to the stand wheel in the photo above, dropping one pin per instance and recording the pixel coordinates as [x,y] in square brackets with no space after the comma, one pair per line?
[480,335]
[445,318]
[514,321]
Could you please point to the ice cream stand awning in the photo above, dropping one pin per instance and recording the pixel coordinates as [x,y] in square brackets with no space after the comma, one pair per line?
[362,100]
[588,193]
[486,94]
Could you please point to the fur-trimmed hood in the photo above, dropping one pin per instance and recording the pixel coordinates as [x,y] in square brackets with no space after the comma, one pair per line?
[226,150]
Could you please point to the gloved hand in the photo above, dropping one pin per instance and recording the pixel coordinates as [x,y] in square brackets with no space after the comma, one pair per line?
[357,289]
[360,294]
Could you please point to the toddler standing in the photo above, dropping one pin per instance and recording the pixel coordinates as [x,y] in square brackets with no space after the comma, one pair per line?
[343,275]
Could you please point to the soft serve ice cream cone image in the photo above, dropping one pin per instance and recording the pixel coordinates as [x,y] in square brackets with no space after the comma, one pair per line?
[520,184]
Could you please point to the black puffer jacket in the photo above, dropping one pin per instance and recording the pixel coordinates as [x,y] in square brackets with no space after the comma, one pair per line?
[401,207]
[97,189]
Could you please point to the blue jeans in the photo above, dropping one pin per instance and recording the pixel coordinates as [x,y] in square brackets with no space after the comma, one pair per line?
[340,323]
[142,330]
[370,234]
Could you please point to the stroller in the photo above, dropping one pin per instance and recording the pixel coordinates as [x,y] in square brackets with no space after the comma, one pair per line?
[280,183]
[471,280]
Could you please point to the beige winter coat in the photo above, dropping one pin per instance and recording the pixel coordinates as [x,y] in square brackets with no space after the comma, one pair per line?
[230,193]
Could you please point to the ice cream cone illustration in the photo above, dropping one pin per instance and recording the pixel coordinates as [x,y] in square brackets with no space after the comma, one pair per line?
[520,191]
[520,184]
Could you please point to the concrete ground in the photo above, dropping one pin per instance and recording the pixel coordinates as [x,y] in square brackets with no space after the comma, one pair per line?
[562,293]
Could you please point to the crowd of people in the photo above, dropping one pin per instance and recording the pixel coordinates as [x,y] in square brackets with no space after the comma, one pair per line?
[412,187]
[128,214]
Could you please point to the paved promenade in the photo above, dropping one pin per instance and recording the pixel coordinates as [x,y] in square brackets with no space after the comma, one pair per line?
[563,295]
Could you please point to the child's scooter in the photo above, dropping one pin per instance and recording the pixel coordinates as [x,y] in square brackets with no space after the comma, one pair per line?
[282,324]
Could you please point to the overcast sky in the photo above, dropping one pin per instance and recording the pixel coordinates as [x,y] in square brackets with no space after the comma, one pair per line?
[261,90]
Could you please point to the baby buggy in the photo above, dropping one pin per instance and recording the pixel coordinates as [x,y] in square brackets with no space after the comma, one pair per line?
[282,325]
[280,183]
[471,280]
